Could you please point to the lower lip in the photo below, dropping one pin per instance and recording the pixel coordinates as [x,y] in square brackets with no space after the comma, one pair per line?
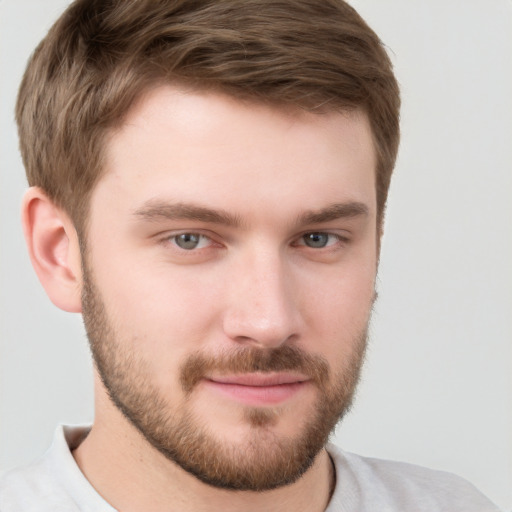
[257,395]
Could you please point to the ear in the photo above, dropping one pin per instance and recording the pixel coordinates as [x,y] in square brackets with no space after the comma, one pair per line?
[54,250]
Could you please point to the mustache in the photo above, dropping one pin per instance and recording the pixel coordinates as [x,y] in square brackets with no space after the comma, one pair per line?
[251,360]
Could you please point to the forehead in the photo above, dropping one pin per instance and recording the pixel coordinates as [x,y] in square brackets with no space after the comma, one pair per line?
[183,144]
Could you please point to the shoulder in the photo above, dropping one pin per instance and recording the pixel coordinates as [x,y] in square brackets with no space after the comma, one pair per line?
[53,483]
[397,486]
[29,488]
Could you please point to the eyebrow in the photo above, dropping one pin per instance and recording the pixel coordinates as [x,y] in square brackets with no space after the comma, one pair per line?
[157,210]
[333,212]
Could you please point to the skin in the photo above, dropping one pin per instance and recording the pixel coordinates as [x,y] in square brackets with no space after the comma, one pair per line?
[250,283]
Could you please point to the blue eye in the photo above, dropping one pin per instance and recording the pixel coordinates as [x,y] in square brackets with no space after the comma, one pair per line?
[190,241]
[319,239]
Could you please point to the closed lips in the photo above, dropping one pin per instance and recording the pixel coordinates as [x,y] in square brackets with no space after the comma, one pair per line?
[259,379]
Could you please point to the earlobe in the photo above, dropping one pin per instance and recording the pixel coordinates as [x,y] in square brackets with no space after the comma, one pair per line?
[53,247]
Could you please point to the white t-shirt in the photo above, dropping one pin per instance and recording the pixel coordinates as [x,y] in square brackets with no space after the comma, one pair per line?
[54,483]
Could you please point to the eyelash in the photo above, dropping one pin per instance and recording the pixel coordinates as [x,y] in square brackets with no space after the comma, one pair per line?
[191,234]
[338,239]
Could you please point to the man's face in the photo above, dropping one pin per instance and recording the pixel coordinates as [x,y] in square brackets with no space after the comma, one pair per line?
[229,277]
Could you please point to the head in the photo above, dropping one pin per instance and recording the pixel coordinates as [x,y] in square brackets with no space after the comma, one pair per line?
[220,170]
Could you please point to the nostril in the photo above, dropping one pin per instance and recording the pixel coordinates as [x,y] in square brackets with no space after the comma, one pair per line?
[264,343]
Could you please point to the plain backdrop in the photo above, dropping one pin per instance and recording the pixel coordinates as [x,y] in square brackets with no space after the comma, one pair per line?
[437,387]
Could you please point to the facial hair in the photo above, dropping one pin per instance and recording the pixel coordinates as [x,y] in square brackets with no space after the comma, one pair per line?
[265,460]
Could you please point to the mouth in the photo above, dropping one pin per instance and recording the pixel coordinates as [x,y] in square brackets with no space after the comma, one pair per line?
[258,389]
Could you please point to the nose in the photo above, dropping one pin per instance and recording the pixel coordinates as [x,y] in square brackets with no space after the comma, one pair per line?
[262,307]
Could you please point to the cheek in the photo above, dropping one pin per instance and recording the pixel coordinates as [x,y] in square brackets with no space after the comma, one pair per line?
[338,313]
[161,315]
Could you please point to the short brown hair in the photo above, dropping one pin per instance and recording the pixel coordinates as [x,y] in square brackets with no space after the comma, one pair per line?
[101,55]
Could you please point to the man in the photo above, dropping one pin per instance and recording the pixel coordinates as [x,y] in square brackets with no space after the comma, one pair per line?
[208,188]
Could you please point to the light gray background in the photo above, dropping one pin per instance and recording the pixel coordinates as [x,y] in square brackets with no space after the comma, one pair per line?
[437,388]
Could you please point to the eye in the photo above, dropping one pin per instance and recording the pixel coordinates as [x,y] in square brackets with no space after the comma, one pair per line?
[319,240]
[190,241]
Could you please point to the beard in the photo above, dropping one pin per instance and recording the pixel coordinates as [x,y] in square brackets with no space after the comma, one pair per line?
[265,460]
